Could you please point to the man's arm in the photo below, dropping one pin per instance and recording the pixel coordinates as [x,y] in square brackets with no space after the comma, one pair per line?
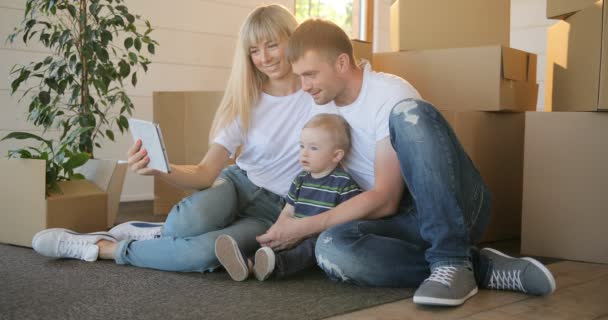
[380,201]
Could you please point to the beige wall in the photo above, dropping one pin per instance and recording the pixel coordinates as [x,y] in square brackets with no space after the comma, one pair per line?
[196,45]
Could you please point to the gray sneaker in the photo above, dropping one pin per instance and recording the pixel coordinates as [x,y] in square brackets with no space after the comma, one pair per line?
[448,285]
[525,275]
[137,230]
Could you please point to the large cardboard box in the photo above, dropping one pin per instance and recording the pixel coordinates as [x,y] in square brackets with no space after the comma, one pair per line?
[362,50]
[476,79]
[424,24]
[565,207]
[495,143]
[577,61]
[561,9]
[185,120]
[25,209]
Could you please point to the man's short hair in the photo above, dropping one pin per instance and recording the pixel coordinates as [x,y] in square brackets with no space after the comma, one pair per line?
[336,126]
[322,36]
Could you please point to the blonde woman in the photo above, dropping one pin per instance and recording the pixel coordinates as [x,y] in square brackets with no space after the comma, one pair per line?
[262,106]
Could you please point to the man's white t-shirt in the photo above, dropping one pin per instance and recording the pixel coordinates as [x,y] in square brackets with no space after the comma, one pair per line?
[270,150]
[368,117]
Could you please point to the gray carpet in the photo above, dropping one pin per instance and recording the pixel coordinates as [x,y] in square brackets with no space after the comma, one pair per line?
[35,287]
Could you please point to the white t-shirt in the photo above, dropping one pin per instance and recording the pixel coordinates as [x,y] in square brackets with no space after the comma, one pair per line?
[270,151]
[368,118]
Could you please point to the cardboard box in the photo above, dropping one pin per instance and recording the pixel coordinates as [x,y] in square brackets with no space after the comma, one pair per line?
[561,9]
[185,120]
[109,176]
[25,209]
[577,62]
[475,79]
[424,24]
[362,50]
[495,143]
[565,208]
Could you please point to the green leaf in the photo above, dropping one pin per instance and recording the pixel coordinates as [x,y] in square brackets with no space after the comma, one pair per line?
[137,44]
[133,57]
[76,161]
[134,79]
[123,121]
[151,48]
[77,176]
[45,97]
[124,68]
[110,134]
[128,43]
[25,135]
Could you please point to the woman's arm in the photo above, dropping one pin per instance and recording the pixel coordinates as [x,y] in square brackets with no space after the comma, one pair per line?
[197,177]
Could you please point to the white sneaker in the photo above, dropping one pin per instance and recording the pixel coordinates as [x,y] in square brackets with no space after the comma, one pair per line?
[231,257]
[264,263]
[64,243]
[137,230]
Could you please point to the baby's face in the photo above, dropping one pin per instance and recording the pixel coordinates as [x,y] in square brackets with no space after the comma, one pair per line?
[317,150]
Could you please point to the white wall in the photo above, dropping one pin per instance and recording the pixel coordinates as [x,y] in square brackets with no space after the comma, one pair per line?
[196,46]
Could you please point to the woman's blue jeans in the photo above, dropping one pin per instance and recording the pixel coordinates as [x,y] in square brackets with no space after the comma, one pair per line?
[444,210]
[233,206]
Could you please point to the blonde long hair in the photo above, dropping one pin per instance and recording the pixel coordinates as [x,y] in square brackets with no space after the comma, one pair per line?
[265,23]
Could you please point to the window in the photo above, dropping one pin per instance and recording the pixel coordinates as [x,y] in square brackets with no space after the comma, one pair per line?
[352,15]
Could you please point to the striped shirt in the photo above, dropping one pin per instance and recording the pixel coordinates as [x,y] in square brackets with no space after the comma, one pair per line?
[310,196]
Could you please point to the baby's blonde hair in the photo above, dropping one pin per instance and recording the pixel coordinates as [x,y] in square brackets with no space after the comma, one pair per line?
[336,125]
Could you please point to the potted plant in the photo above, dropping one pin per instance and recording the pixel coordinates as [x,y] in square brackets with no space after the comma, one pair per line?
[77,93]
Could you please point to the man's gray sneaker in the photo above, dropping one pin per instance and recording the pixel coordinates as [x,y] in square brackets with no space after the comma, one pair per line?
[448,285]
[137,230]
[64,243]
[526,275]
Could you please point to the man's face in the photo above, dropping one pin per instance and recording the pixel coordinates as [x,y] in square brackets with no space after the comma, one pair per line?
[319,76]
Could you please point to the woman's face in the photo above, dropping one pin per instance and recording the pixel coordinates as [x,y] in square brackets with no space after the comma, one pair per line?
[269,58]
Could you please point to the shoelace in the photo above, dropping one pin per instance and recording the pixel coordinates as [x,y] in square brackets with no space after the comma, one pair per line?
[72,248]
[506,280]
[443,275]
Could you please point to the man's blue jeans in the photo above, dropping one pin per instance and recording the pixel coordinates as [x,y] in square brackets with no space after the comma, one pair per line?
[444,209]
[233,206]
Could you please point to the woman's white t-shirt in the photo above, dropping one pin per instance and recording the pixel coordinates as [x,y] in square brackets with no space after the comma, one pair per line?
[368,119]
[270,150]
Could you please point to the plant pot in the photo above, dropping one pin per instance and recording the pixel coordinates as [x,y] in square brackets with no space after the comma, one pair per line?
[25,209]
[109,176]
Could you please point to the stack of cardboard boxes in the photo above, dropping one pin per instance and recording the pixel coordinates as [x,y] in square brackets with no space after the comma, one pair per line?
[456,53]
[565,203]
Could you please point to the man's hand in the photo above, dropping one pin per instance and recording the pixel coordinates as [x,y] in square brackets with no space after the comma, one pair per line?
[284,234]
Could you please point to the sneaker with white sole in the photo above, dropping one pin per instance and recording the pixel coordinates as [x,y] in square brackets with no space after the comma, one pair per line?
[137,230]
[448,285]
[232,259]
[525,275]
[64,243]
[264,263]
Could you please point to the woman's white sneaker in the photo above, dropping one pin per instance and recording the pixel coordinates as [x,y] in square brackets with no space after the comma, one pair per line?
[64,243]
[137,230]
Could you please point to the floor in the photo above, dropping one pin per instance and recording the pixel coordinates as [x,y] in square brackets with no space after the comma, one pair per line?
[582,290]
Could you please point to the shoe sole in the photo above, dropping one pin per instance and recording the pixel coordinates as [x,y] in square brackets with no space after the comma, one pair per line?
[229,255]
[432,301]
[264,265]
[105,235]
[535,262]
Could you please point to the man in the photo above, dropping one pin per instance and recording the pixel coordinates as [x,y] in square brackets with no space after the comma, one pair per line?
[424,203]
